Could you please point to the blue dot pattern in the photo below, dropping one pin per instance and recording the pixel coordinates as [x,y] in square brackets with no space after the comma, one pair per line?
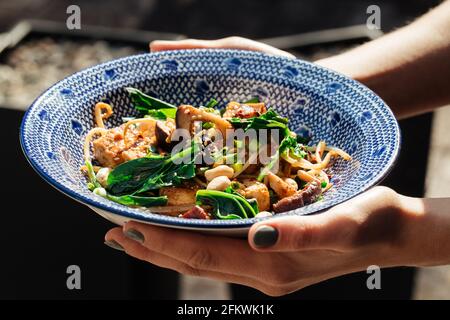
[319,103]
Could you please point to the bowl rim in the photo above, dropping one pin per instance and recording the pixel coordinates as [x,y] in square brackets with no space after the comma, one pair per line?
[206,224]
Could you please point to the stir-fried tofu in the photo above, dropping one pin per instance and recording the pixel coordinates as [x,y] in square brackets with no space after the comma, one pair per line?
[248,110]
[179,196]
[110,149]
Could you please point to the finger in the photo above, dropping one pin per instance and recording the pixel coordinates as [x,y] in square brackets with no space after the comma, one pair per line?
[224,43]
[165,45]
[139,251]
[199,251]
[328,230]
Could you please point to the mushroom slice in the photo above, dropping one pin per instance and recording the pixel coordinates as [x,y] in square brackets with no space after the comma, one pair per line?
[187,115]
[163,133]
[281,187]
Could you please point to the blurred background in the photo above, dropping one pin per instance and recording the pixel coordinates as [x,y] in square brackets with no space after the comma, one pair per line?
[37,49]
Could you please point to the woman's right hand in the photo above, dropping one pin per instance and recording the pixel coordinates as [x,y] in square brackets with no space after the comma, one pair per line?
[285,254]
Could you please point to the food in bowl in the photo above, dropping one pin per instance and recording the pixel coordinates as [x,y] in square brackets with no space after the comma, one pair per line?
[238,162]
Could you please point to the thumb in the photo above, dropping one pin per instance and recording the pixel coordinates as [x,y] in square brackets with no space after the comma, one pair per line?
[294,233]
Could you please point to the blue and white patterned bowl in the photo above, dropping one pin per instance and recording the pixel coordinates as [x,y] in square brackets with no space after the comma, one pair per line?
[319,103]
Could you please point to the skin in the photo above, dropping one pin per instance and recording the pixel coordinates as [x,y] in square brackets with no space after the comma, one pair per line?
[410,69]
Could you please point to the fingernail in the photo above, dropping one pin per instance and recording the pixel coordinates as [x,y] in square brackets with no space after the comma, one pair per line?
[265,236]
[114,244]
[135,235]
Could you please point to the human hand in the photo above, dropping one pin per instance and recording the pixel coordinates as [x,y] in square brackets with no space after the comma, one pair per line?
[285,254]
[224,43]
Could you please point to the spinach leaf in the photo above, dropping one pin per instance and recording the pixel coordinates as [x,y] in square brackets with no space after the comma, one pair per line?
[268,120]
[131,175]
[145,103]
[152,172]
[140,201]
[253,203]
[238,123]
[161,114]
[271,115]
[172,170]
[128,200]
[290,143]
[226,205]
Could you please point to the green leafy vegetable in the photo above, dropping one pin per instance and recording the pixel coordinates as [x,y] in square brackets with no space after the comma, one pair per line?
[93,183]
[252,100]
[285,144]
[269,120]
[151,106]
[323,184]
[152,172]
[252,202]
[161,114]
[212,103]
[207,125]
[288,143]
[131,175]
[227,205]
[130,200]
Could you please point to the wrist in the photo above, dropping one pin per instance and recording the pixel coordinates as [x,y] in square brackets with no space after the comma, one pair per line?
[425,237]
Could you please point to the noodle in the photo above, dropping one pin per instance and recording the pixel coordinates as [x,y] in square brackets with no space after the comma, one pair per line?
[319,151]
[344,155]
[99,115]
[324,163]
[87,141]
[303,163]
[305,176]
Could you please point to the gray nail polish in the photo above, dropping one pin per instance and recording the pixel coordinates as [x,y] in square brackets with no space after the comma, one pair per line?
[265,236]
[135,235]
[114,244]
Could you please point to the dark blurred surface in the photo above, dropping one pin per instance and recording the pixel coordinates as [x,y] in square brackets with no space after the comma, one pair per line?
[58,232]
[216,18]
